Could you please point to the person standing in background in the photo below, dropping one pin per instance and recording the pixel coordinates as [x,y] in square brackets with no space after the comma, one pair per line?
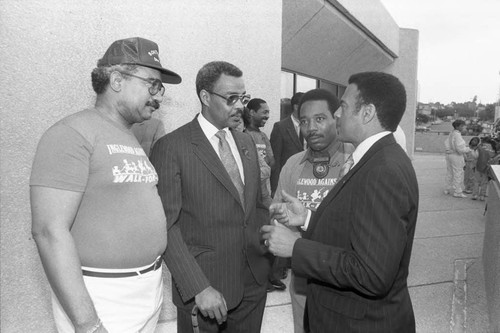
[209,182]
[286,140]
[98,221]
[255,116]
[265,169]
[455,148]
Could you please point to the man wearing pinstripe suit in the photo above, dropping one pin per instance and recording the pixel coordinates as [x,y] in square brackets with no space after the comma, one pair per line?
[356,249]
[214,252]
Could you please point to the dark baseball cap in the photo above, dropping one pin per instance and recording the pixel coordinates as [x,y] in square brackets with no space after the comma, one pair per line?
[137,51]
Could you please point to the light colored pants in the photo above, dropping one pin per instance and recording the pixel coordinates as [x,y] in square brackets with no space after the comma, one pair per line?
[454,172]
[129,304]
[298,289]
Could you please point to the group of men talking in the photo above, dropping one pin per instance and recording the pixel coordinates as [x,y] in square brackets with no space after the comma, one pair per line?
[106,213]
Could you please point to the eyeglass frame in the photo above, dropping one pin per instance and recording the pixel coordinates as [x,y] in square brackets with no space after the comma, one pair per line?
[152,82]
[240,98]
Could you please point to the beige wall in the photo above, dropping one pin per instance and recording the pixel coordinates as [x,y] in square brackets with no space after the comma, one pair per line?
[48,49]
[405,68]
[491,251]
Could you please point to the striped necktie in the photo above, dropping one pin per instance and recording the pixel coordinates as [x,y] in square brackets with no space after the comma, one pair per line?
[346,167]
[229,162]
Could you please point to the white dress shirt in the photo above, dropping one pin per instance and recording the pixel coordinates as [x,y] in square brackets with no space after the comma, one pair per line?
[210,130]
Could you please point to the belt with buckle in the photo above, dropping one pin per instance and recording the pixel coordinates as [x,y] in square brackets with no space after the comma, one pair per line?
[155,266]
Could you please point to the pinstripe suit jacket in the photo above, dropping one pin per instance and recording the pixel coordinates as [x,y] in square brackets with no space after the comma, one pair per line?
[356,250]
[210,234]
[285,143]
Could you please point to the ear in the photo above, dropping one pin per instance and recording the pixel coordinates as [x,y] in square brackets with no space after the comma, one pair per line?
[115,81]
[204,97]
[369,112]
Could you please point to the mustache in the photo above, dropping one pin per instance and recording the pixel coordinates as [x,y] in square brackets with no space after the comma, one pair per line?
[153,104]
[312,135]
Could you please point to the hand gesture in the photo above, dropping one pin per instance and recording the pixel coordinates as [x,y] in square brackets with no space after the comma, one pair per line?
[211,303]
[290,212]
[279,239]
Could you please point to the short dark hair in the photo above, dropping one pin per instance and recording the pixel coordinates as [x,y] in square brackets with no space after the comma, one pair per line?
[457,123]
[209,74]
[474,141]
[385,92]
[321,95]
[100,75]
[246,116]
[255,104]
[296,98]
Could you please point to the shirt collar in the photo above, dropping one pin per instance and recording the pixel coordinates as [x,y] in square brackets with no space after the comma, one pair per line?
[208,128]
[332,150]
[367,143]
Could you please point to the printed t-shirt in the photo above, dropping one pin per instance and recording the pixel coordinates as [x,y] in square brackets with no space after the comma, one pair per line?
[297,176]
[120,222]
[262,144]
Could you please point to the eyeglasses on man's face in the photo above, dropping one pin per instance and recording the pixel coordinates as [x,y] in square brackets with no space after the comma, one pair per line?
[155,85]
[232,99]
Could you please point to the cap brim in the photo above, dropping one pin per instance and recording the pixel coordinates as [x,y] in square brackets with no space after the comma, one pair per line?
[167,76]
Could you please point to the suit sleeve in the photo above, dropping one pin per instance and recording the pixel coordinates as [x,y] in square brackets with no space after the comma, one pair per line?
[187,274]
[378,213]
[276,146]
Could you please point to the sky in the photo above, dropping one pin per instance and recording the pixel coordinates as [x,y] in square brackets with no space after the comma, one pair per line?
[459,47]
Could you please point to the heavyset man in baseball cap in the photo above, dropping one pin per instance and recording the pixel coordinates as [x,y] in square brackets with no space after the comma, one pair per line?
[97,219]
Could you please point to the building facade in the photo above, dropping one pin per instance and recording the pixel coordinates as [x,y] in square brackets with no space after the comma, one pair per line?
[49,48]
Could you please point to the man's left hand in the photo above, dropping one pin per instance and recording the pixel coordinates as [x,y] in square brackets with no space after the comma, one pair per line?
[279,239]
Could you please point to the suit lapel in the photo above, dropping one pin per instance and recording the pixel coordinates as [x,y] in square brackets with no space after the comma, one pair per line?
[384,141]
[203,149]
[290,129]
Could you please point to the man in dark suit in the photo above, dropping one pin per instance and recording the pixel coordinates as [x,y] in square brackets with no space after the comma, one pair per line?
[356,249]
[209,182]
[286,140]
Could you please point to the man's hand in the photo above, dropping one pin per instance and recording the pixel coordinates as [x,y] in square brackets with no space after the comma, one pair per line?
[279,239]
[211,303]
[290,212]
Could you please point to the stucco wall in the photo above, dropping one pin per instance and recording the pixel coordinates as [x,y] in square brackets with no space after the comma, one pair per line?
[405,68]
[491,252]
[49,48]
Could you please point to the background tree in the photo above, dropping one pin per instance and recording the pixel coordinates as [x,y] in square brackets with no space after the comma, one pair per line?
[422,119]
